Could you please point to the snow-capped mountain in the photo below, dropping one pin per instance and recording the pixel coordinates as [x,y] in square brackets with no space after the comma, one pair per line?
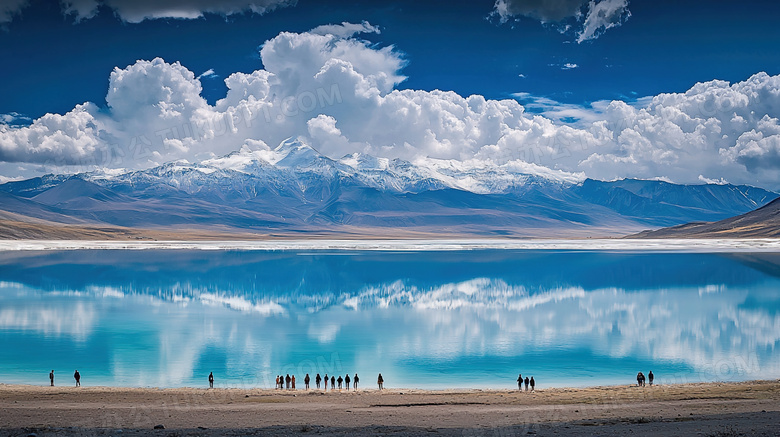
[293,187]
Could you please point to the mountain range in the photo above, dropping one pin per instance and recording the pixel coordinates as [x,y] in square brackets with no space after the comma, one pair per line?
[294,190]
[763,222]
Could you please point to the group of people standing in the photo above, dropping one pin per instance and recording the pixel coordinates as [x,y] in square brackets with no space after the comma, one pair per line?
[76,376]
[640,378]
[527,382]
[288,382]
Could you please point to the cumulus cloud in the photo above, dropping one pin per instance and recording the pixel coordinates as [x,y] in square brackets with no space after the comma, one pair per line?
[60,139]
[715,129]
[340,95]
[567,15]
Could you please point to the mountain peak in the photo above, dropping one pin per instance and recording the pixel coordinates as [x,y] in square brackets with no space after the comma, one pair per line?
[294,153]
[75,188]
[290,145]
[362,161]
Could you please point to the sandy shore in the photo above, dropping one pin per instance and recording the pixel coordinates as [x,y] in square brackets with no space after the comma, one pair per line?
[709,409]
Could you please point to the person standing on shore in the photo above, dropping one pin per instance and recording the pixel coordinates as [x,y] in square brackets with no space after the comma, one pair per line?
[211,379]
[380,381]
[640,379]
[306,380]
[649,377]
[333,382]
[77,376]
[326,382]
[318,380]
[526,383]
[533,383]
[347,381]
[340,380]
[51,377]
[355,381]
[519,381]
[293,382]
[287,381]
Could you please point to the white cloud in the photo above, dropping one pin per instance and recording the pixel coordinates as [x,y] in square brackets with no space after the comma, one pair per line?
[706,180]
[569,113]
[345,29]
[136,11]
[14,118]
[80,9]
[715,128]
[542,10]
[11,8]
[602,16]
[340,95]
[208,73]
[569,66]
[567,15]
[57,139]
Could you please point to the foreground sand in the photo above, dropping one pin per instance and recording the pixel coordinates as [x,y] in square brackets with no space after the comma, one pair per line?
[711,409]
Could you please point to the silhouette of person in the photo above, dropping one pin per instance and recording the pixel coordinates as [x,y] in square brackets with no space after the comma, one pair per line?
[347,381]
[211,379]
[293,382]
[519,381]
[77,376]
[287,381]
[639,377]
[649,377]
[332,382]
[51,377]
[277,382]
[340,380]
[318,380]
[306,380]
[526,383]
[355,381]
[533,383]
[326,382]
[380,381]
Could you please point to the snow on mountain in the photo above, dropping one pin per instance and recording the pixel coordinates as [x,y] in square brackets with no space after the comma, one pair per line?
[295,187]
[303,162]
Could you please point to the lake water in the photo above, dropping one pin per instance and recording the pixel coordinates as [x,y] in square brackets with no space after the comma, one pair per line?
[423,319]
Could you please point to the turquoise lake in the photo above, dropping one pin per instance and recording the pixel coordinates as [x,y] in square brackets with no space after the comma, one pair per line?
[459,319]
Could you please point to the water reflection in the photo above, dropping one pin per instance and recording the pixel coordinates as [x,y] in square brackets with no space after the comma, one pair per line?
[465,319]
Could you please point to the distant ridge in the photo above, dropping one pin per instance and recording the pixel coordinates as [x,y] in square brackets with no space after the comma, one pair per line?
[293,189]
[763,222]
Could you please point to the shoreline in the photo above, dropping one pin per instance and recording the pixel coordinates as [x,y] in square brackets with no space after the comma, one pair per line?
[400,390]
[751,407]
[410,245]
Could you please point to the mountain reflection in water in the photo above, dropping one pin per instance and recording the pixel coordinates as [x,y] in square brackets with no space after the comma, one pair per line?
[423,319]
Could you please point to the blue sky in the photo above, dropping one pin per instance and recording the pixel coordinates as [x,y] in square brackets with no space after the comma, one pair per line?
[449,45]
[58,55]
